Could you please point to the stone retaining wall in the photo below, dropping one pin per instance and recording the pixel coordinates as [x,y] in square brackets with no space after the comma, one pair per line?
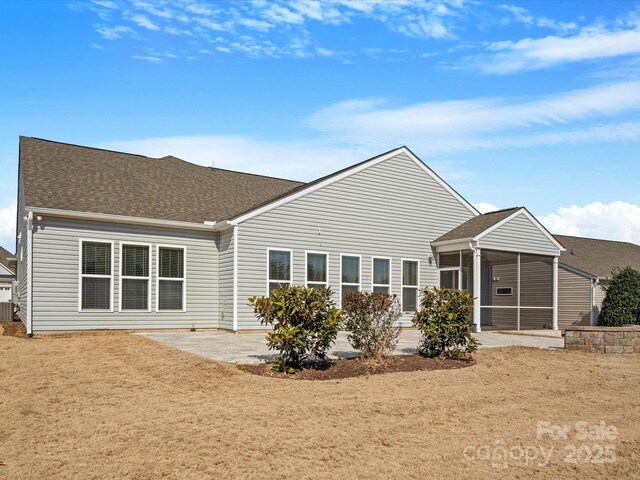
[603,339]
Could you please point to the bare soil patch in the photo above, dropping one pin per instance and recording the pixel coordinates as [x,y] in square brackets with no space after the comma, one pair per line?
[354,367]
[13,329]
[115,405]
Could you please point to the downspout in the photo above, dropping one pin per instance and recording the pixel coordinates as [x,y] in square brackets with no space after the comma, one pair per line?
[555,294]
[476,287]
[29,274]
[235,277]
[594,284]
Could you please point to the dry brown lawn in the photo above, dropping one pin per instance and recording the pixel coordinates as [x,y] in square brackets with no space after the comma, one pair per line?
[117,405]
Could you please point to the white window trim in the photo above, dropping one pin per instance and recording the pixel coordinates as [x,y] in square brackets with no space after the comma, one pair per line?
[359,284]
[269,280]
[159,278]
[306,279]
[403,286]
[126,277]
[373,285]
[81,275]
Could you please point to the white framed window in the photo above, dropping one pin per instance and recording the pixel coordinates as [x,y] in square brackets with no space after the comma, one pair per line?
[317,269]
[279,268]
[350,274]
[410,282]
[95,271]
[381,275]
[135,276]
[171,278]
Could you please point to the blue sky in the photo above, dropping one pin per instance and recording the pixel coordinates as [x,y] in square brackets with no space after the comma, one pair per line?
[514,103]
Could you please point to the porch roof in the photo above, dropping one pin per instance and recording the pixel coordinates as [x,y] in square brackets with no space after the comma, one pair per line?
[476,225]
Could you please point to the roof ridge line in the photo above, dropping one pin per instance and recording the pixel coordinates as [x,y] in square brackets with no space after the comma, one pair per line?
[91,148]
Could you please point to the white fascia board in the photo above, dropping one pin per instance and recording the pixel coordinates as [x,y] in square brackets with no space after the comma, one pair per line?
[453,245]
[104,217]
[352,171]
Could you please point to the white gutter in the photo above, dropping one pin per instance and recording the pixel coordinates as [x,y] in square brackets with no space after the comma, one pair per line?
[104,217]
[30,274]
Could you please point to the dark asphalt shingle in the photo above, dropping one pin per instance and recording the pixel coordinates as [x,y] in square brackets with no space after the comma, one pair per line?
[70,177]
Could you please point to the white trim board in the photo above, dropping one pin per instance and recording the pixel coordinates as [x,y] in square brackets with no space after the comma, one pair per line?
[351,171]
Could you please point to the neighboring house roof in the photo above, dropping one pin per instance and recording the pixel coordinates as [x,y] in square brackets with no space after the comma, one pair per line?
[476,225]
[4,260]
[82,179]
[598,257]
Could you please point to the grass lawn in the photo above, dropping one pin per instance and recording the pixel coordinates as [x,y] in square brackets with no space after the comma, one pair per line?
[118,405]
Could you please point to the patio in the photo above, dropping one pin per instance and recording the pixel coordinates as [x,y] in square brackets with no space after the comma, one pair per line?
[252,348]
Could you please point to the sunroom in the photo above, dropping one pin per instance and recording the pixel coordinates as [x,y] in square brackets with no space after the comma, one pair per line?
[509,262]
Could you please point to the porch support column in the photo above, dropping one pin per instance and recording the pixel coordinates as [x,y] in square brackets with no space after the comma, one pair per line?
[555,293]
[476,289]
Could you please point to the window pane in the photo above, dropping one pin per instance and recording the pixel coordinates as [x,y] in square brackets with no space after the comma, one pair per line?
[170,295]
[96,258]
[279,265]
[380,289]
[409,273]
[381,271]
[96,293]
[275,286]
[350,270]
[348,288]
[171,262]
[135,261]
[409,299]
[135,294]
[449,279]
[317,285]
[316,267]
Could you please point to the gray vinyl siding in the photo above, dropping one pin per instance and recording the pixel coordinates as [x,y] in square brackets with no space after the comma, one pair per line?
[390,209]
[519,234]
[56,253]
[574,299]
[225,268]
[22,254]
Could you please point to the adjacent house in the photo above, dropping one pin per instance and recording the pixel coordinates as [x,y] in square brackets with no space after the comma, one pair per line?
[7,275]
[111,240]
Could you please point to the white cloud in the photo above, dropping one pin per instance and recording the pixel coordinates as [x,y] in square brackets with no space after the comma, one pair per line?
[613,221]
[476,123]
[538,53]
[144,22]
[113,33]
[297,160]
[148,58]
[8,226]
[484,207]
[524,16]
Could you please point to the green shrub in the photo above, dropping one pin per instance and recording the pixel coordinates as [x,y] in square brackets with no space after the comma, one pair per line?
[621,305]
[443,322]
[305,324]
[371,320]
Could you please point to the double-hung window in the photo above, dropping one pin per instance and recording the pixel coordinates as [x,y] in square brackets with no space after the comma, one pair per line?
[135,291]
[171,278]
[410,285]
[317,270]
[279,269]
[349,274]
[381,275]
[96,275]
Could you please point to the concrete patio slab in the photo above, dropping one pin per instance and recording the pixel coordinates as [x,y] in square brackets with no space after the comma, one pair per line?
[252,348]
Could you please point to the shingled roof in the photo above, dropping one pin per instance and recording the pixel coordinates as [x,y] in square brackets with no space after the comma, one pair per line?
[476,225]
[598,257]
[83,179]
